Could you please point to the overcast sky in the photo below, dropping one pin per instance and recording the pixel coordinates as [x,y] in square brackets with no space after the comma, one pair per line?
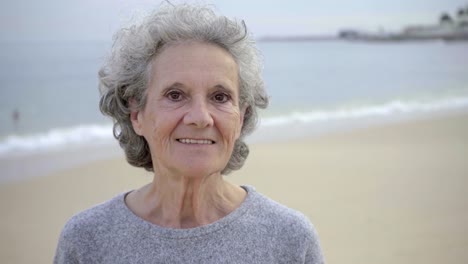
[98,19]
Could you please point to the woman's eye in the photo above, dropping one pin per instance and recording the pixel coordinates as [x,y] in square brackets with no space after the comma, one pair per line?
[221,97]
[174,95]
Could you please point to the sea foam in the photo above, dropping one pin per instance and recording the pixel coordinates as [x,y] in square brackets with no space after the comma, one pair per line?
[396,107]
[56,139]
[82,135]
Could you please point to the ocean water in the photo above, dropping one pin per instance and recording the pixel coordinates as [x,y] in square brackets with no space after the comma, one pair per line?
[53,88]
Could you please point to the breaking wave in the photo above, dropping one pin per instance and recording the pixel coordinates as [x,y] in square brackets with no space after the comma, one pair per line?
[65,138]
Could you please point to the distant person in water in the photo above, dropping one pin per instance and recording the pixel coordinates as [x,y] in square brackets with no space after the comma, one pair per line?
[15,117]
[183,88]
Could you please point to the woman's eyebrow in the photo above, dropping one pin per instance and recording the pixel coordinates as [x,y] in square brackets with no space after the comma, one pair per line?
[176,85]
[224,88]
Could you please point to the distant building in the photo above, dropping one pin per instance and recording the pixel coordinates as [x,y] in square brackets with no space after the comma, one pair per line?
[448,28]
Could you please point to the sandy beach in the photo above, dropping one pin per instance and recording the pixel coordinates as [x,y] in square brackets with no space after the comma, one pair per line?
[391,193]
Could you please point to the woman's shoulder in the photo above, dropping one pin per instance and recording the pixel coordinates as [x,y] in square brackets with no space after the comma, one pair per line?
[85,231]
[281,218]
[93,218]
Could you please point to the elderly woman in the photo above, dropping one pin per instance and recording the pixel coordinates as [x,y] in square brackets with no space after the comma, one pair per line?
[183,88]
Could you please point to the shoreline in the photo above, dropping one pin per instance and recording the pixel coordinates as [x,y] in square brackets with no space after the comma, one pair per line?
[390,193]
[25,166]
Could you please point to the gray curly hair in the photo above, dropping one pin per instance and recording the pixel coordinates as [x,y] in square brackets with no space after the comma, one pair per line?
[124,75]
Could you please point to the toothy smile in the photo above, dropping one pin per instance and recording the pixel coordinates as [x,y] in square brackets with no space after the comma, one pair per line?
[196,141]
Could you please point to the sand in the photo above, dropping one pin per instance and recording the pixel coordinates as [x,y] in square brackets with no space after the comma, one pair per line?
[394,193]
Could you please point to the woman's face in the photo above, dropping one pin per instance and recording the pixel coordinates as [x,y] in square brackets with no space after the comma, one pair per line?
[192,116]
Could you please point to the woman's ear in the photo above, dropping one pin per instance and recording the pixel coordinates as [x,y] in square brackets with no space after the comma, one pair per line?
[135,117]
[243,111]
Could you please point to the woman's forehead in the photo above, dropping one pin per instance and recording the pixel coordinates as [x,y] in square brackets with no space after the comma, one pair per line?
[194,61]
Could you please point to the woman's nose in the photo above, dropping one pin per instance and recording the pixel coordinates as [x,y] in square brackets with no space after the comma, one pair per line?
[198,114]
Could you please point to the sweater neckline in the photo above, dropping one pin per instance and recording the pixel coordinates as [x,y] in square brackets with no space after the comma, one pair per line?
[185,232]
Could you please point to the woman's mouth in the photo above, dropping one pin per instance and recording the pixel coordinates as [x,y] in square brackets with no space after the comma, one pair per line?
[195,141]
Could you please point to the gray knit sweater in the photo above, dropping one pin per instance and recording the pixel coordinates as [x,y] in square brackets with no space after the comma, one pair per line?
[259,231]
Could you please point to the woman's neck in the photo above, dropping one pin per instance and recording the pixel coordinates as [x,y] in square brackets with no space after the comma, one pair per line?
[182,202]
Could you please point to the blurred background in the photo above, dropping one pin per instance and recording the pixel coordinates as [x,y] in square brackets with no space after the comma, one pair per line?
[324,60]
[331,68]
